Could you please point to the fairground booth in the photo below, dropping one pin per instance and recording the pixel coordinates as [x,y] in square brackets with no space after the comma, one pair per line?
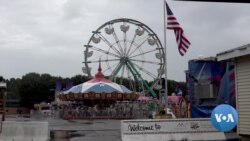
[209,83]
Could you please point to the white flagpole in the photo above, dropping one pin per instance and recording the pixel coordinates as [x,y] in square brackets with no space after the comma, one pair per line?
[165,47]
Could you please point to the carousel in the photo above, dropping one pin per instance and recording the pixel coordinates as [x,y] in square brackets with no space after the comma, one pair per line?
[98,90]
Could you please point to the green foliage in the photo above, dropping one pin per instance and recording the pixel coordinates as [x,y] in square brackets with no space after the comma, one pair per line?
[12,88]
[78,79]
[35,88]
[2,79]
[173,84]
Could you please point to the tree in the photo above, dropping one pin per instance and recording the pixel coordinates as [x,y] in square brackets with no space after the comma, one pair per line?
[36,88]
[2,79]
[172,85]
[12,88]
[78,79]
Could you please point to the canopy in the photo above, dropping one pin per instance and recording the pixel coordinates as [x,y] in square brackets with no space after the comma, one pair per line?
[99,84]
[99,87]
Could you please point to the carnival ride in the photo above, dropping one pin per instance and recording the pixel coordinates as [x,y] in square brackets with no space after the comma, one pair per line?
[132,54]
[100,89]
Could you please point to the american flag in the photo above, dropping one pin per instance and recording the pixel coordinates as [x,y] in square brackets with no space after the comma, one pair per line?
[173,24]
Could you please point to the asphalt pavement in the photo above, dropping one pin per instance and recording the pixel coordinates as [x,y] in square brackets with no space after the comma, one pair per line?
[83,130]
[79,130]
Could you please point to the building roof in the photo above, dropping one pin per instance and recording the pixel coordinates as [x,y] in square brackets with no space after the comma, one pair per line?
[204,59]
[234,53]
[3,85]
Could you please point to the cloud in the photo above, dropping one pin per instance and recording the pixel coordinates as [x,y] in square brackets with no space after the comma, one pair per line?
[48,36]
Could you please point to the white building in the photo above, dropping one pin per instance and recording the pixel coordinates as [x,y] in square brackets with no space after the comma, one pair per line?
[241,58]
[3,88]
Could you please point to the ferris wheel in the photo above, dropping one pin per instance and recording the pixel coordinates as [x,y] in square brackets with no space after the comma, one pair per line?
[131,54]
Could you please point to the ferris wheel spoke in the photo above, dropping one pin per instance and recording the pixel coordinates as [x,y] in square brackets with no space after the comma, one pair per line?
[143,53]
[109,44]
[109,67]
[117,42]
[97,61]
[144,61]
[139,46]
[125,42]
[116,67]
[131,43]
[104,51]
[145,71]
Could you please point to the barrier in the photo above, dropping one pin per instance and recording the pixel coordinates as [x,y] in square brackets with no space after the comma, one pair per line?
[169,130]
[25,131]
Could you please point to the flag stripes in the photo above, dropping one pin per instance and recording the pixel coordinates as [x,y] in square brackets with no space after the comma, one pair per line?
[172,24]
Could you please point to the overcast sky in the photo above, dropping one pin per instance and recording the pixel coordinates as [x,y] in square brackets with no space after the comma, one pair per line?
[47,36]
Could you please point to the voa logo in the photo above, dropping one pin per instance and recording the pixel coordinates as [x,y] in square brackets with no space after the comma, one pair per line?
[224,118]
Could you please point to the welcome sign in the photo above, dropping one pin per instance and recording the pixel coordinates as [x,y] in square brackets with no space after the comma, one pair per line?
[169,129]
